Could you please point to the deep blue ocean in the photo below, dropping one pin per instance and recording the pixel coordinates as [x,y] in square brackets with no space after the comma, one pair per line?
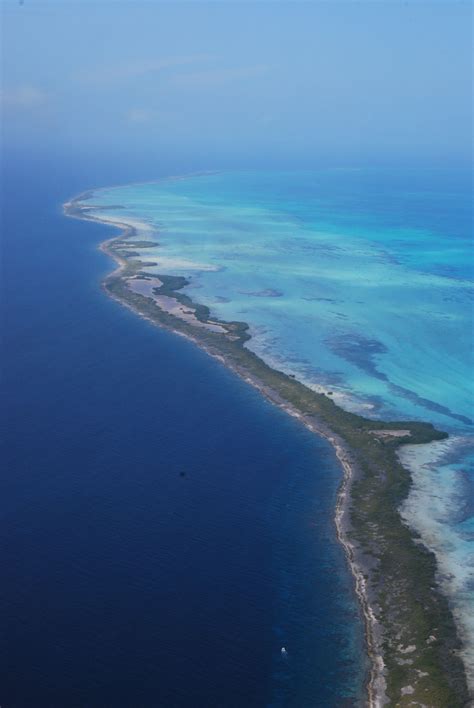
[164,531]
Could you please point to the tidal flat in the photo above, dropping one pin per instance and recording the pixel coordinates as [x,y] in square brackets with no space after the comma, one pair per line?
[412,639]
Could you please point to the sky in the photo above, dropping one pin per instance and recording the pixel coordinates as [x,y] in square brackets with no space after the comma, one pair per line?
[239,83]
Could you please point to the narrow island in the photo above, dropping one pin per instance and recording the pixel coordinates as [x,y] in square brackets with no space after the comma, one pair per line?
[412,642]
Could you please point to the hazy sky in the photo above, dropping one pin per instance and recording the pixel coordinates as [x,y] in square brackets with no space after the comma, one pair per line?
[238,82]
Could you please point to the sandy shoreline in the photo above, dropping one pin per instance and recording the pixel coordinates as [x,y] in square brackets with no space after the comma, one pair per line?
[359,561]
[375,684]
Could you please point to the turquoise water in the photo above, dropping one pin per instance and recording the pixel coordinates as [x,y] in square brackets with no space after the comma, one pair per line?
[355,281]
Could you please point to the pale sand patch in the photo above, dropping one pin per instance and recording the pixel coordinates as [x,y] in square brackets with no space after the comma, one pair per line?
[139,226]
[182,312]
[407,690]
[174,264]
[144,286]
[390,433]
[407,650]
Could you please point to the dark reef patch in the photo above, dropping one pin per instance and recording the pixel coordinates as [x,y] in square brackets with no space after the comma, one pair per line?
[363,352]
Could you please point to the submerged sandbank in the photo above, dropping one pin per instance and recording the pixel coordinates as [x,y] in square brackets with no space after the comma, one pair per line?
[438,508]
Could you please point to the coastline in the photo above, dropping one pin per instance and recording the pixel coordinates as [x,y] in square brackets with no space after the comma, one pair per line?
[366,450]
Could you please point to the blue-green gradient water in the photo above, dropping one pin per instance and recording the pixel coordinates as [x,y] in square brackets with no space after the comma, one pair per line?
[355,281]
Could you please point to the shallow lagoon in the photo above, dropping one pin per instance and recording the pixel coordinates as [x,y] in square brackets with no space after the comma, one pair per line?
[356,281]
